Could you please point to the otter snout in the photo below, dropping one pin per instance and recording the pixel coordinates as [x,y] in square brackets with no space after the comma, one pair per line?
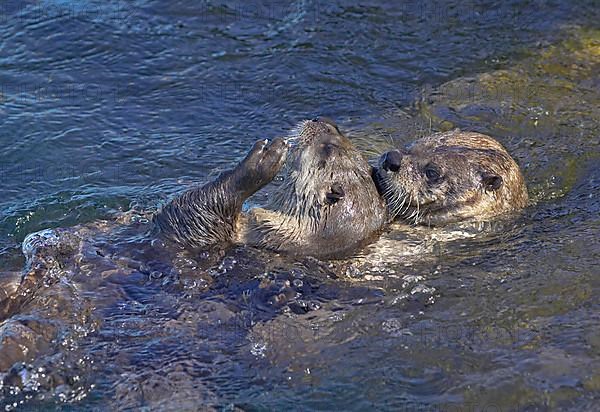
[325,126]
[391,161]
[326,120]
[325,135]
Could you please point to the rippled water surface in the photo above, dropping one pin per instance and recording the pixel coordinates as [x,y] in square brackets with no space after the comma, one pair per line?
[109,108]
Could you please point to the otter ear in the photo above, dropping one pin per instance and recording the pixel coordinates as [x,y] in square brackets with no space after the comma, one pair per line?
[490,181]
[335,194]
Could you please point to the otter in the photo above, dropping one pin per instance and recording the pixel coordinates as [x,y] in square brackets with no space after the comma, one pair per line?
[332,202]
[327,205]
[450,177]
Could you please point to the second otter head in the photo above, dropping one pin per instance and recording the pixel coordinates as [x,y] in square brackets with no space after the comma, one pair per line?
[328,196]
[450,177]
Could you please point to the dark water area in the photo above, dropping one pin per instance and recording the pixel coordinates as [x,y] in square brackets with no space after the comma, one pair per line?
[113,106]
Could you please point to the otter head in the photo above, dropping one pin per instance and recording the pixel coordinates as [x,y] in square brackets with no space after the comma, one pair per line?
[328,201]
[450,177]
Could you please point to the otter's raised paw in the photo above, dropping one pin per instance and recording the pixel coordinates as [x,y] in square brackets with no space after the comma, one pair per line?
[261,165]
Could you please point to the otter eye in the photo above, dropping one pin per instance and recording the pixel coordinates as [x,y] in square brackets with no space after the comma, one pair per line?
[335,194]
[329,146]
[433,174]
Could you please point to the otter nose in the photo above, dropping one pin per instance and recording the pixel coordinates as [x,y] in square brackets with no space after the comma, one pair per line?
[327,120]
[392,160]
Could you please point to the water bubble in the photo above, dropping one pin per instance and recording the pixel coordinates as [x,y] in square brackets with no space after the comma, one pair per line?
[408,279]
[47,237]
[297,273]
[155,274]
[185,264]
[139,219]
[314,306]
[395,328]
[227,265]
[258,349]
[204,255]
[157,242]
[337,317]
[353,272]
[422,289]
[374,277]
[399,298]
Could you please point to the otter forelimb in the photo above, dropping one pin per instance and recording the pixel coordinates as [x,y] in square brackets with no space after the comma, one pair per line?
[207,215]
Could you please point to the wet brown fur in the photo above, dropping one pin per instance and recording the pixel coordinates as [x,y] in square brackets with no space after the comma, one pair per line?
[305,215]
[478,180]
[327,205]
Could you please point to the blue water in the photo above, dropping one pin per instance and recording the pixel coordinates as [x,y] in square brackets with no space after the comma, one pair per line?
[109,105]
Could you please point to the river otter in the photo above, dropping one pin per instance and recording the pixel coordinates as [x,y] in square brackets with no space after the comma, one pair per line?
[332,202]
[327,205]
[450,177]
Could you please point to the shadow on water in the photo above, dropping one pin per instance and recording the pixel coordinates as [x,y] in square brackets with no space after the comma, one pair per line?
[112,106]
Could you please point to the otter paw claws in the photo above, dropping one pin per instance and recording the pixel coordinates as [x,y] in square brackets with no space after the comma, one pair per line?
[262,164]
